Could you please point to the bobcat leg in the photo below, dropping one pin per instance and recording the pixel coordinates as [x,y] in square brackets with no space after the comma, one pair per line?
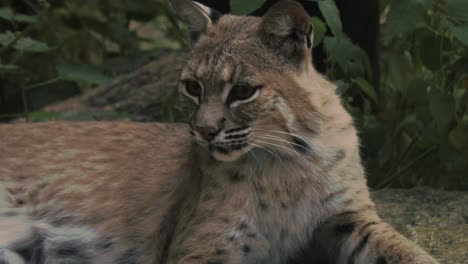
[362,237]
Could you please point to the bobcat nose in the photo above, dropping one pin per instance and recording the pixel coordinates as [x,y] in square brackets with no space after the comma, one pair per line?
[207,133]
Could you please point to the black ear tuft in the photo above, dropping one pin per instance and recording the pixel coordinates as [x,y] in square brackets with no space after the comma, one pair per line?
[286,28]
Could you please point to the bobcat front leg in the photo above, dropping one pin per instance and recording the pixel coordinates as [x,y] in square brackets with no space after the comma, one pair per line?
[362,237]
[224,239]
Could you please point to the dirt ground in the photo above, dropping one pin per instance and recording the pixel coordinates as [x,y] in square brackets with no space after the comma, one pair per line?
[436,220]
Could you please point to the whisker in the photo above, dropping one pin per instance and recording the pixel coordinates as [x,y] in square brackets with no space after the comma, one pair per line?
[290,134]
[279,146]
[285,141]
[267,150]
[253,155]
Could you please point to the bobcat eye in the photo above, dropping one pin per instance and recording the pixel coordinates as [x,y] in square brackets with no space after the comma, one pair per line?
[193,88]
[242,93]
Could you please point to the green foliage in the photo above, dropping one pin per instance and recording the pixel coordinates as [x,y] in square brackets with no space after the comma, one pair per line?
[242,7]
[424,74]
[78,44]
[331,15]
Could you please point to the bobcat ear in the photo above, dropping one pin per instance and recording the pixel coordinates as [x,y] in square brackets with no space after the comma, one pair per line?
[286,28]
[196,16]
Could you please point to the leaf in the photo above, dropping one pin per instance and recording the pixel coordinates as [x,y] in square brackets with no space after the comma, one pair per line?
[319,30]
[332,15]
[430,52]
[348,56]
[4,67]
[442,108]
[399,70]
[30,45]
[341,86]
[461,33]
[82,72]
[405,16]
[416,93]
[6,38]
[457,9]
[458,137]
[7,14]
[23,44]
[241,7]
[465,119]
[366,88]
[42,116]
[409,120]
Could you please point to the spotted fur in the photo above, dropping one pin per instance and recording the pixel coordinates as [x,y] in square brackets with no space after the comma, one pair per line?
[267,169]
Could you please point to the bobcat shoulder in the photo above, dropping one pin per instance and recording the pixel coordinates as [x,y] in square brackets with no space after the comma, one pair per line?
[267,166]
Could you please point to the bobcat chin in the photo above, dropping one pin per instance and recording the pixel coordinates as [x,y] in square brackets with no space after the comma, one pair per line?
[268,166]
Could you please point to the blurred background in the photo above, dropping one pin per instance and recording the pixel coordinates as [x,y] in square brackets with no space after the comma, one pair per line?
[401,67]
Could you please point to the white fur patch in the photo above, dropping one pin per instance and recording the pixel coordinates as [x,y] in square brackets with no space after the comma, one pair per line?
[285,110]
[250,99]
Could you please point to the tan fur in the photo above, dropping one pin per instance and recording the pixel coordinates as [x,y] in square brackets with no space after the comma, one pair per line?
[123,179]
[281,175]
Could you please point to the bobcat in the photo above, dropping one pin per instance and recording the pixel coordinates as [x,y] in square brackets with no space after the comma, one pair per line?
[268,166]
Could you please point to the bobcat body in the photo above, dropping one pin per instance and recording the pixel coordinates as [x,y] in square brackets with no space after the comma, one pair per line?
[268,166]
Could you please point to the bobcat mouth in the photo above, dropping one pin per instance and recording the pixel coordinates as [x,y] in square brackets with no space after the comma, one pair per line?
[231,144]
[229,151]
[226,148]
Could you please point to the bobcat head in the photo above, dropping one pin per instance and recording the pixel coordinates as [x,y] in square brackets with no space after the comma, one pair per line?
[241,84]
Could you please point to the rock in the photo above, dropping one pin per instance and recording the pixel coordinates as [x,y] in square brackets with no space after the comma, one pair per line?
[141,94]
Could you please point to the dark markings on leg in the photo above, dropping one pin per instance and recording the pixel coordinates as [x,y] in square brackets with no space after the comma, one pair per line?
[128,257]
[364,227]
[283,205]
[301,145]
[106,243]
[381,260]
[32,250]
[267,236]
[246,249]
[243,224]
[263,203]
[72,252]
[67,251]
[259,188]
[251,234]
[362,243]
[345,228]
